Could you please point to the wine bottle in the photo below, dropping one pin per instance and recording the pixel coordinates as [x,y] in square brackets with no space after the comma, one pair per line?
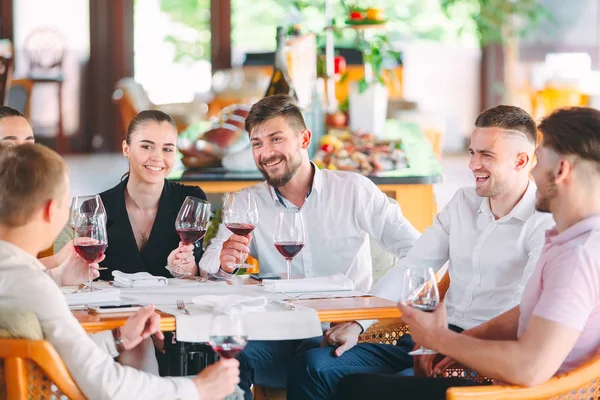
[280,81]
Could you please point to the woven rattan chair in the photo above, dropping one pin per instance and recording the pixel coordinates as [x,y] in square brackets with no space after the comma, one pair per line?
[582,383]
[32,369]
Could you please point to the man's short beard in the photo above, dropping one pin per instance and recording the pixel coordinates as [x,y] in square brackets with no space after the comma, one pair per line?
[285,178]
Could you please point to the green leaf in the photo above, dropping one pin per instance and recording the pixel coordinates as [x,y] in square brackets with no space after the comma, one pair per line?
[362,86]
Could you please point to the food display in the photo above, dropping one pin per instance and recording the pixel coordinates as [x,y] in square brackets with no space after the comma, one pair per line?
[211,146]
[359,152]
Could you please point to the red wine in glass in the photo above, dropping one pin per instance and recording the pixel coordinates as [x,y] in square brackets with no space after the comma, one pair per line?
[289,249]
[190,235]
[228,346]
[90,252]
[240,229]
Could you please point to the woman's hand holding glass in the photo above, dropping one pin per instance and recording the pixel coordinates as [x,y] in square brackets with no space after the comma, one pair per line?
[181,262]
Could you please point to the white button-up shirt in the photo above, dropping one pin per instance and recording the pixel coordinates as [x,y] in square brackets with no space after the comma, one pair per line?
[489,260]
[342,209]
[24,284]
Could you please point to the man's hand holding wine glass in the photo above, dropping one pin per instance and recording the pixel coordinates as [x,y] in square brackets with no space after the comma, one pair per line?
[74,270]
[425,327]
[235,251]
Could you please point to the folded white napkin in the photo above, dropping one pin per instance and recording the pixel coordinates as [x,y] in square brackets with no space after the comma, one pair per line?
[139,279]
[337,282]
[99,296]
[232,303]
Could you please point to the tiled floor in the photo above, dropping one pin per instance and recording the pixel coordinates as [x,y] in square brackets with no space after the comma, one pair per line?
[96,173]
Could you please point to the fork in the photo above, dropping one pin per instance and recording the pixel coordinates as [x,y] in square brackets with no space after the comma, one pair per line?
[181,306]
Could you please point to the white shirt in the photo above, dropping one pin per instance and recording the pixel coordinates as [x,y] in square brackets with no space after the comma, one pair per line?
[339,213]
[24,284]
[489,260]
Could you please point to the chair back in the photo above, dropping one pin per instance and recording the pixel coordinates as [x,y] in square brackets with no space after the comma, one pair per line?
[131,98]
[33,369]
[45,50]
[581,383]
[19,95]
[6,65]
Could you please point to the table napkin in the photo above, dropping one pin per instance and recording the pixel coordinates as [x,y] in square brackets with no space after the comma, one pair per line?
[337,282]
[139,279]
[232,303]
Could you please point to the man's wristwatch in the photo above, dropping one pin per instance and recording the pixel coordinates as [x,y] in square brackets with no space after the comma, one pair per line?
[116,332]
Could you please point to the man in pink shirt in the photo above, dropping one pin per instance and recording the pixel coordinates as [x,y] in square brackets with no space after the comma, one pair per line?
[555,327]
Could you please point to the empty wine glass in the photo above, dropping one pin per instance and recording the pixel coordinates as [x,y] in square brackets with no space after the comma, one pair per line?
[419,290]
[191,224]
[240,216]
[288,236]
[90,240]
[227,335]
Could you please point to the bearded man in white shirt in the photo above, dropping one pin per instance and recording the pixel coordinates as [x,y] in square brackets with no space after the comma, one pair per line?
[491,236]
[340,210]
[34,206]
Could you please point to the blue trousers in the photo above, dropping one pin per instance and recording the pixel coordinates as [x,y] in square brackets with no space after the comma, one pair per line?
[309,371]
[267,363]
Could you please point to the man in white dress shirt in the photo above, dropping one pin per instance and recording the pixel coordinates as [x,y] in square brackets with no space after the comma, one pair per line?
[34,206]
[340,210]
[491,236]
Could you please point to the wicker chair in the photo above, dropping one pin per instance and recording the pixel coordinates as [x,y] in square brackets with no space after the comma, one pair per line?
[32,369]
[582,383]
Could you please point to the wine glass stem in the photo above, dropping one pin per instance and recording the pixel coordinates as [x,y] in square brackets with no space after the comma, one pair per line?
[289,268]
[90,277]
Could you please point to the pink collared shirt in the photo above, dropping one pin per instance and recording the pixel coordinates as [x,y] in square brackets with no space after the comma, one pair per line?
[565,288]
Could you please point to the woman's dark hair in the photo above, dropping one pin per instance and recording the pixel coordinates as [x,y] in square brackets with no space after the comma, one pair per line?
[145,117]
[6,111]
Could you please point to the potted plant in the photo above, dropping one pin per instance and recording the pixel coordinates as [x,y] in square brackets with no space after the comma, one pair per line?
[369,96]
[503,22]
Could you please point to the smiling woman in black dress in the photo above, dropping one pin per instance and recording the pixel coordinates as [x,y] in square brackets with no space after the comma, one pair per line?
[142,208]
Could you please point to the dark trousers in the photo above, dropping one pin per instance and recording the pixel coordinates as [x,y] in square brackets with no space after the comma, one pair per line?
[267,363]
[315,373]
[384,387]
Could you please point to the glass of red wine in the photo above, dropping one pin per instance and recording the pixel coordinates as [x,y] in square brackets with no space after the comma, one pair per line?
[228,336]
[240,216]
[90,240]
[191,223]
[419,290]
[289,236]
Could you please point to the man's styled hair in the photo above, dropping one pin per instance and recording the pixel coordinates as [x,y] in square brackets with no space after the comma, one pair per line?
[279,105]
[573,131]
[510,118]
[30,175]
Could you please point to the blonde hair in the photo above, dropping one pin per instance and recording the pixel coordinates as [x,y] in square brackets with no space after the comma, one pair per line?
[30,175]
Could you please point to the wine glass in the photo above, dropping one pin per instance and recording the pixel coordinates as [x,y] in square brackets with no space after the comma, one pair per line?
[191,223]
[90,240]
[227,335]
[85,205]
[419,290]
[240,216]
[289,236]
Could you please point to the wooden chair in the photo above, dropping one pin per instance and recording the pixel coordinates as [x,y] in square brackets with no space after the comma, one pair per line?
[582,383]
[32,369]
[19,95]
[6,65]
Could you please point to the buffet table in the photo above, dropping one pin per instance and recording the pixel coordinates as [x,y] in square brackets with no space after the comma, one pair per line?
[411,187]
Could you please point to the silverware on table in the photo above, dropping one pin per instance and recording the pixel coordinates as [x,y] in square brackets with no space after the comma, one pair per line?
[284,305]
[181,307]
